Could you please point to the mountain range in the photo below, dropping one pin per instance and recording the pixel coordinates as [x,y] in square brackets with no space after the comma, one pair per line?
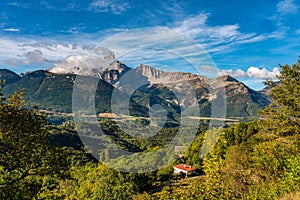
[52,90]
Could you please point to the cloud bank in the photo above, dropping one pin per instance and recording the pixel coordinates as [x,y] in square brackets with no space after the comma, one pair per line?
[252,72]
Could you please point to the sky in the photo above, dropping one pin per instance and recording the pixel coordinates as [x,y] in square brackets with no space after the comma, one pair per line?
[245,39]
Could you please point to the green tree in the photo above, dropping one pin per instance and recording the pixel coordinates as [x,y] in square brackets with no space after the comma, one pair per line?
[26,155]
[98,182]
[258,163]
[282,116]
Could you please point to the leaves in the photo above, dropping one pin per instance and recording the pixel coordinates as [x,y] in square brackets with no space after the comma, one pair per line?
[26,154]
[282,116]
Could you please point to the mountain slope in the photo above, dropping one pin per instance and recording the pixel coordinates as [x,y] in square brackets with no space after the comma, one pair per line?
[8,76]
[52,91]
[241,101]
[31,82]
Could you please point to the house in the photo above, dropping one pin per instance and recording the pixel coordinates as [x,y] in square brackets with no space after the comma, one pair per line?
[185,169]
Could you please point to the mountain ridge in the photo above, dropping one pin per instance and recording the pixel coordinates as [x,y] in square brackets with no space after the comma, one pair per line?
[54,90]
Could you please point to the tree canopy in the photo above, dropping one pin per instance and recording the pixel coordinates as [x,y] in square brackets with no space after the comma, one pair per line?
[28,160]
[282,116]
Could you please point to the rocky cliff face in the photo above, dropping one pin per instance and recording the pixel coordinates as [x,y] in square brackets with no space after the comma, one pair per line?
[160,76]
[240,99]
[191,87]
[113,73]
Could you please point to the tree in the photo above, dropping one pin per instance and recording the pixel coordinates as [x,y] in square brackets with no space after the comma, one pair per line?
[282,116]
[98,182]
[257,163]
[26,155]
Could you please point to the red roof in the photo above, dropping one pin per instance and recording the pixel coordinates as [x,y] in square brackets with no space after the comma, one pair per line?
[185,167]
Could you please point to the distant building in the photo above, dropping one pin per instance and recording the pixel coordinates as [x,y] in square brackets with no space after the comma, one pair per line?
[185,169]
[107,115]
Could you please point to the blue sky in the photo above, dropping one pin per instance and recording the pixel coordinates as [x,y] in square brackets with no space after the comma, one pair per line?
[247,39]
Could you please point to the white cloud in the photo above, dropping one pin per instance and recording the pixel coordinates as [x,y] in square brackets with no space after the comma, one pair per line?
[286,7]
[156,45]
[187,39]
[35,56]
[186,43]
[262,73]
[11,30]
[83,64]
[196,28]
[113,6]
[19,51]
[252,72]
[217,38]
[236,73]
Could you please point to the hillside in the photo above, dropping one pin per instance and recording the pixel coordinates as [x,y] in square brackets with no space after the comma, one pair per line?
[241,100]
[8,76]
[53,92]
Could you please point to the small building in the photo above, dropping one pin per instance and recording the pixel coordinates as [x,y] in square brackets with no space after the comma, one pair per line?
[185,169]
[107,115]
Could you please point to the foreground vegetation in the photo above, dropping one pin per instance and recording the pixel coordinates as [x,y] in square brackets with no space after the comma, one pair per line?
[254,160]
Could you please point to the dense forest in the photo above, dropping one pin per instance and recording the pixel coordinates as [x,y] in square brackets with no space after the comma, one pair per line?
[251,160]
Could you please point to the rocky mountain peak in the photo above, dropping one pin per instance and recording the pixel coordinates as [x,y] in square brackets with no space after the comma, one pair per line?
[113,72]
[229,78]
[161,76]
[150,72]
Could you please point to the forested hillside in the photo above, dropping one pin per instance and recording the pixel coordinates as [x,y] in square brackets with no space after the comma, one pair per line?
[254,160]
